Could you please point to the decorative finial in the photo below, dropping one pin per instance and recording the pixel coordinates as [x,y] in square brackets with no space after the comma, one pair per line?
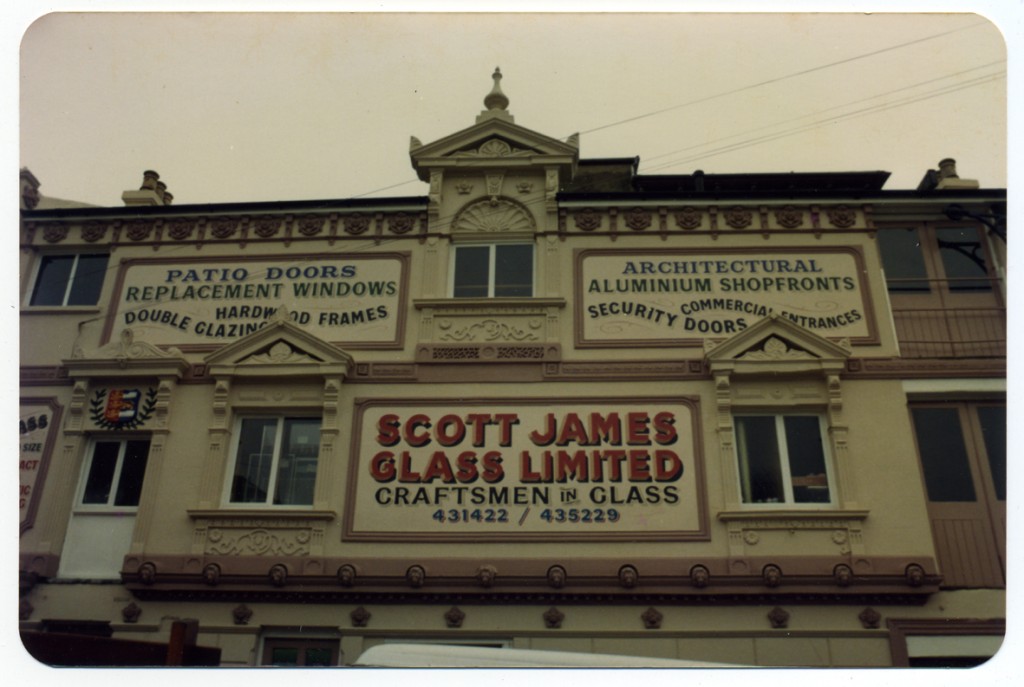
[496,100]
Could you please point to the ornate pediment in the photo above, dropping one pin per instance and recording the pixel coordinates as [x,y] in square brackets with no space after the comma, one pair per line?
[495,215]
[492,142]
[126,357]
[280,347]
[776,344]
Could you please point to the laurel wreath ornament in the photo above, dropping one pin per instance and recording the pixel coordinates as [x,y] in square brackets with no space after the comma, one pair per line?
[146,408]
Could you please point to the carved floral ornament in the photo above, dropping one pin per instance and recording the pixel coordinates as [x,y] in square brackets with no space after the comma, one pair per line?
[494,215]
[842,216]
[54,233]
[587,219]
[310,225]
[738,217]
[638,219]
[356,224]
[688,218]
[789,217]
[139,230]
[93,231]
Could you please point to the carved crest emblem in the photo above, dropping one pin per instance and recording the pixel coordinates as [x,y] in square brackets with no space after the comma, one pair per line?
[122,408]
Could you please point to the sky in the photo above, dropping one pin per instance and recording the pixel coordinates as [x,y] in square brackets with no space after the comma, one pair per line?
[291,106]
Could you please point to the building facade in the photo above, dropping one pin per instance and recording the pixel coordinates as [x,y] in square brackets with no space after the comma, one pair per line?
[553,404]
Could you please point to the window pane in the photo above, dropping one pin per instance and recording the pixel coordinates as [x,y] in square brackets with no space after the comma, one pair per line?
[758,449]
[940,440]
[133,469]
[52,282]
[963,257]
[254,460]
[471,271]
[902,260]
[806,459]
[101,472]
[318,657]
[89,273]
[284,656]
[296,472]
[993,432]
[513,270]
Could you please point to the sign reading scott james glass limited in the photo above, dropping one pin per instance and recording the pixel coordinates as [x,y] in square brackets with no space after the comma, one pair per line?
[670,296]
[526,469]
[352,299]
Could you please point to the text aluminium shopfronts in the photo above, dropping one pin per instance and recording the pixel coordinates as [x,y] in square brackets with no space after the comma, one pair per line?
[499,469]
[672,296]
[345,298]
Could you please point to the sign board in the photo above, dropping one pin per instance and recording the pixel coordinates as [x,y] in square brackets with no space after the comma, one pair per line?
[535,469]
[671,296]
[37,430]
[354,299]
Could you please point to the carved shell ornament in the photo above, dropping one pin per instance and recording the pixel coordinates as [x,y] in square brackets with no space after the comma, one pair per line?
[493,215]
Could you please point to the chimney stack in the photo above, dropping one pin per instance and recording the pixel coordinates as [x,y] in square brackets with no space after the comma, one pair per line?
[949,179]
[152,192]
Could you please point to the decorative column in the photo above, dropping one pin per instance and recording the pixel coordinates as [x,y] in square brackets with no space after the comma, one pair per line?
[838,430]
[64,473]
[159,433]
[330,430]
[216,453]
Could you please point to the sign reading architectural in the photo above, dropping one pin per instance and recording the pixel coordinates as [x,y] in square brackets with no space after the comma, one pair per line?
[37,425]
[669,296]
[526,469]
[345,298]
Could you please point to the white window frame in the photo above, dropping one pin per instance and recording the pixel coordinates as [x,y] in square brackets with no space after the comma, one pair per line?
[38,273]
[275,463]
[783,449]
[108,507]
[491,264]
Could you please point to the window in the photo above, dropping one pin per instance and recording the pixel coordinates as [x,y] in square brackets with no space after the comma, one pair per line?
[962,451]
[115,472]
[503,270]
[69,280]
[782,459]
[916,259]
[275,462]
[300,652]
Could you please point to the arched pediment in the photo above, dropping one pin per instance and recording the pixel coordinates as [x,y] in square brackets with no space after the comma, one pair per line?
[281,348]
[778,345]
[494,215]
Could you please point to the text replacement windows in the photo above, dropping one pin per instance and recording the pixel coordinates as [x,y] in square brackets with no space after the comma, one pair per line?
[782,459]
[276,461]
[69,280]
[502,270]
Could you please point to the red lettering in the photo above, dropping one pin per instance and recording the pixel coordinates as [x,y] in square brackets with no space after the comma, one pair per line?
[667,466]
[639,468]
[382,467]
[493,472]
[405,472]
[438,467]
[605,429]
[505,422]
[526,473]
[548,435]
[466,464]
[665,428]
[572,431]
[387,430]
[636,428]
[409,434]
[445,436]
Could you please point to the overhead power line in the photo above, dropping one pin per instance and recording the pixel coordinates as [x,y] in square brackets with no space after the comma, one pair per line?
[777,79]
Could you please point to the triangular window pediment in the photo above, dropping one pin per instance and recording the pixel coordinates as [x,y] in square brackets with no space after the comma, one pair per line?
[279,344]
[778,344]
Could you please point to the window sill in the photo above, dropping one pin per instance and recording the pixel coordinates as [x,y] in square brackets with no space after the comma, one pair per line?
[60,309]
[756,513]
[274,512]
[492,304]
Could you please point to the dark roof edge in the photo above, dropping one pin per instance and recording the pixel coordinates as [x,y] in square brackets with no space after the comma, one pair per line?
[236,207]
[949,195]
